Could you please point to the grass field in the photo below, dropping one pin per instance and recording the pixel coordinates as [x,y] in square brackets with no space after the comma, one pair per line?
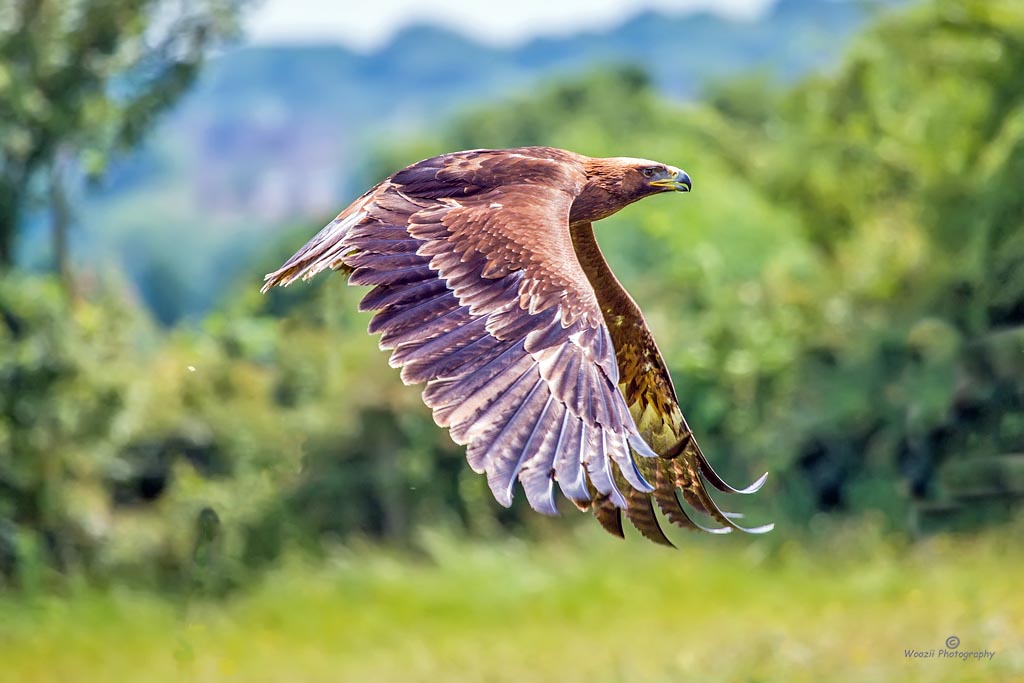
[587,610]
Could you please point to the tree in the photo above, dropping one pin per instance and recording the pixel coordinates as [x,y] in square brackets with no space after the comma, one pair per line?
[904,166]
[81,79]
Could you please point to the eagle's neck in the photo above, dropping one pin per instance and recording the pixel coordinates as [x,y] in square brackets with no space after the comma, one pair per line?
[617,306]
[592,204]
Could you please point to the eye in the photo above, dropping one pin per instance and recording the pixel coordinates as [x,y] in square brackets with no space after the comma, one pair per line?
[648,172]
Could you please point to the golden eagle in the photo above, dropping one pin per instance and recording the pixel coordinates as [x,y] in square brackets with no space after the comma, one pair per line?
[489,287]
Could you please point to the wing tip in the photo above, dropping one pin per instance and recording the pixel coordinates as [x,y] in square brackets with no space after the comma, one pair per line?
[278,278]
[719,483]
[545,502]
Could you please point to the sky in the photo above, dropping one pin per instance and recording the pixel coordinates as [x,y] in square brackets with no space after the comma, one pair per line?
[366,25]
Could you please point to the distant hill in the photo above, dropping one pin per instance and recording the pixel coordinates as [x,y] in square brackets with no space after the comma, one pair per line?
[272,134]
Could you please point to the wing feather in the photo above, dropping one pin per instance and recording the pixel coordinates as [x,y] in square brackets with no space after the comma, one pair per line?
[493,408]
[595,449]
[507,452]
[447,318]
[536,474]
[479,391]
[640,512]
[568,460]
[385,296]
[444,357]
[393,278]
[608,515]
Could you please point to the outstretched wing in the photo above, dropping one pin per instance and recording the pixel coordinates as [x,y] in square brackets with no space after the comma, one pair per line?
[651,396]
[478,293]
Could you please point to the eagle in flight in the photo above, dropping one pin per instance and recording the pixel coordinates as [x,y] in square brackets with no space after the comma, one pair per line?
[489,287]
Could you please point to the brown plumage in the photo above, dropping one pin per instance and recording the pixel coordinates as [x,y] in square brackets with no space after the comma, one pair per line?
[488,286]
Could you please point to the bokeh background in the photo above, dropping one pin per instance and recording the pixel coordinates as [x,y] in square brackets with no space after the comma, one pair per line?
[200,483]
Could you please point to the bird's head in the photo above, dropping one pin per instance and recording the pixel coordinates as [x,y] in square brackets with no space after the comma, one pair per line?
[616,182]
[645,177]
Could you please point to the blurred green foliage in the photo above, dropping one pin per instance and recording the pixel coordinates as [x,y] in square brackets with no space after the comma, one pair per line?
[81,79]
[840,300]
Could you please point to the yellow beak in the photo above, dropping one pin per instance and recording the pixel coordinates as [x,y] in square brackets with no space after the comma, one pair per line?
[676,180]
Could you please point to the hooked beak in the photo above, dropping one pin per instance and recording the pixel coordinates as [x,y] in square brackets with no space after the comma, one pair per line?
[675,179]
